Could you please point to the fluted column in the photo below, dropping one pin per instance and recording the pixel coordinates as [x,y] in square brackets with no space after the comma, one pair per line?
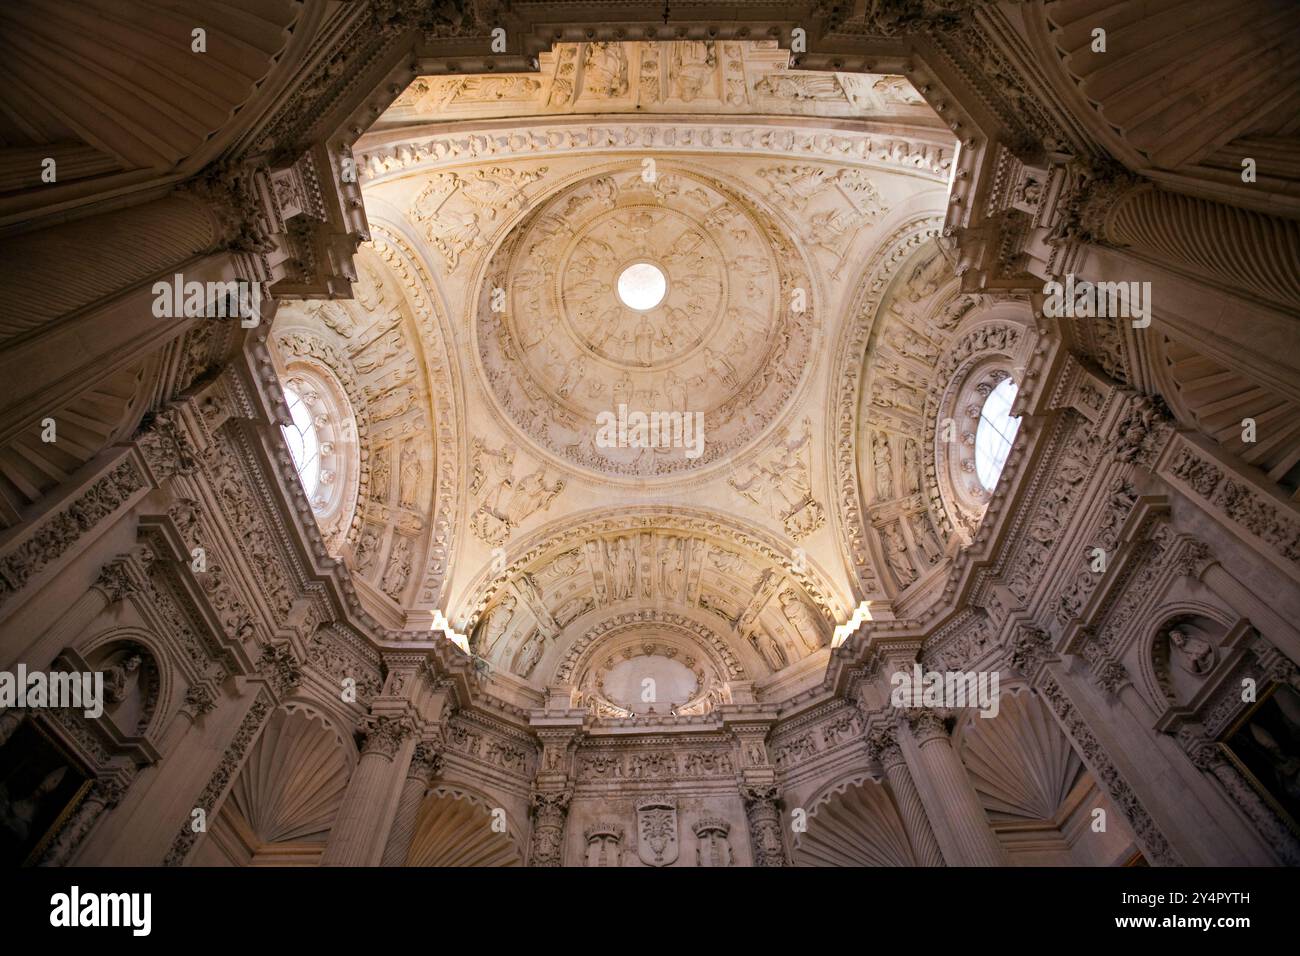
[425,764]
[763,811]
[118,579]
[1231,247]
[361,827]
[925,847]
[1208,756]
[975,843]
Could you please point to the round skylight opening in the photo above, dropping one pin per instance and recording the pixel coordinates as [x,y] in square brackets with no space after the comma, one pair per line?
[304,443]
[995,433]
[642,286]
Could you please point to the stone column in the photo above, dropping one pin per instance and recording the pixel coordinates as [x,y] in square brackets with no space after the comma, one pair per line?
[118,579]
[763,811]
[1231,247]
[1209,757]
[884,747]
[104,795]
[361,827]
[425,764]
[974,842]
[550,809]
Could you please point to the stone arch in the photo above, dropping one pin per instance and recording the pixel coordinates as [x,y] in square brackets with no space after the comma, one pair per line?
[155,687]
[853,822]
[564,575]
[283,803]
[454,828]
[1039,797]
[1161,681]
[848,383]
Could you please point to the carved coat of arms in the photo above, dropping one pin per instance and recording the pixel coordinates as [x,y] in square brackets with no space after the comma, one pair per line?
[656,827]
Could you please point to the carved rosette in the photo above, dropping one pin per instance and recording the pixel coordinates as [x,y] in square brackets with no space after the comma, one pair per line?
[549,809]
[384,735]
[762,810]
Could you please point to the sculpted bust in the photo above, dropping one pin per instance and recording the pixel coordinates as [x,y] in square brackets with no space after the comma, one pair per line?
[1192,653]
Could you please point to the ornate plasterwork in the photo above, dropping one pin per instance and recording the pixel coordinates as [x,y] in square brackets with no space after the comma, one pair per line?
[730,340]
[685,76]
[843,429]
[888,153]
[691,567]
[443,382]
[48,541]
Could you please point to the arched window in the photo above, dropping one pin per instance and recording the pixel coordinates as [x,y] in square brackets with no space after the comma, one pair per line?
[322,440]
[304,443]
[995,433]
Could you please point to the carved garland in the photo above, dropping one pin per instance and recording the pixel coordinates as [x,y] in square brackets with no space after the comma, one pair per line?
[891,154]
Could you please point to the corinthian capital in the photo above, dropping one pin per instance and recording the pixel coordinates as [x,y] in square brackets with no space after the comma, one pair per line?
[426,762]
[882,745]
[384,735]
[926,724]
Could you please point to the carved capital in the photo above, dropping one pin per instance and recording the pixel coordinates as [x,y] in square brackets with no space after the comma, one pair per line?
[116,582]
[549,808]
[927,725]
[882,745]
[1111,676]
[426,762]
[762,810]
[199,700]
[1142,431]
[281,669]
[898,17]
[1096,190]
[384,735]
[433,18]
[1030,646]
[165,445]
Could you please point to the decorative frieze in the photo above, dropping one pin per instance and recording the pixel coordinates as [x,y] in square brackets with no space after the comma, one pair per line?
[210,798]
[58,533]
[1149,837]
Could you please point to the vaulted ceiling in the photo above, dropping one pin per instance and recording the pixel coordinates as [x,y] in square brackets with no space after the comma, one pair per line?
[493,332]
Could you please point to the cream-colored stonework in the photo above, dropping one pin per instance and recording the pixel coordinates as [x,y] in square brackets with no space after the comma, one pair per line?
[502,626]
